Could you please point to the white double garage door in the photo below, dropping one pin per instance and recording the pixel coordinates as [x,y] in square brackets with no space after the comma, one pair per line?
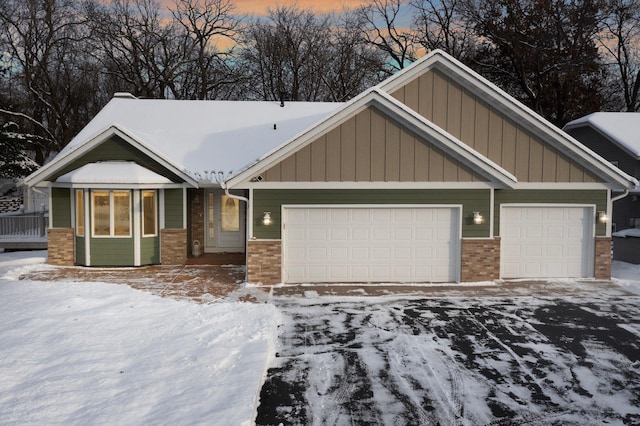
[407,244]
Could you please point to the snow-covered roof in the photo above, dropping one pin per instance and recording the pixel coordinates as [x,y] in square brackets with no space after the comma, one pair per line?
[622,128]
[205,136]
[112,172]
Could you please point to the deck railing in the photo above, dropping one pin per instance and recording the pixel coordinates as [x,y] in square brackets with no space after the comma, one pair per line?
[28,225]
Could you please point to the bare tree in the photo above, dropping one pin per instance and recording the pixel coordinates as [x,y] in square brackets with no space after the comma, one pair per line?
[440,24]
[543,52]
[383,28]
[620,41]
[138,48]
[207,24]
[283,53]
[51,76]
[351,64]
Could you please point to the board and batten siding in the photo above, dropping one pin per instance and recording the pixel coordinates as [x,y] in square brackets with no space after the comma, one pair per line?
[116,149]
[271,200]
[61,208]
[370,147]
[173,209]
[447,104]
[548,197]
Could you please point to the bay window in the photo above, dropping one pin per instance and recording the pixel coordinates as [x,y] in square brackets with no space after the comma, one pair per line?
[111,213]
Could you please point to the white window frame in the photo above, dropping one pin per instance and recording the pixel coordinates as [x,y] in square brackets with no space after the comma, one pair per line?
[111,215]
[79,204]
[155,218]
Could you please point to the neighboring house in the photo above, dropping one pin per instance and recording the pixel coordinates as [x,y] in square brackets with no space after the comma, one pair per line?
[433,175]
[616,137]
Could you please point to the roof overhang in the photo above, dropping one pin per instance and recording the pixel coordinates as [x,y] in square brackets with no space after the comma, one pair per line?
[41,176]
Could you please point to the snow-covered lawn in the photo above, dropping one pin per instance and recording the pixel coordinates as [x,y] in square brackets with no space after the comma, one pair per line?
[99,353]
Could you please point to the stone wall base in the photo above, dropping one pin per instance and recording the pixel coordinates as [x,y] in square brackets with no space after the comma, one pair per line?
[264,262]
[61,246]
[480,260]
[602,263]
[173,246]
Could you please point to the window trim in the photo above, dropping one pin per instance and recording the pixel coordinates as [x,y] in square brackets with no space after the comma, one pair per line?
[111,214]
[155,211]
[80,213]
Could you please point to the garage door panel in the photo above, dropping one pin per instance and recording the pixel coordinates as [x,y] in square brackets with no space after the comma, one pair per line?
[376,244]
[540,242]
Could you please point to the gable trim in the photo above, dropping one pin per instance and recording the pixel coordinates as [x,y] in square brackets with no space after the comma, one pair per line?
[398,111]
[514,109]
[38,177]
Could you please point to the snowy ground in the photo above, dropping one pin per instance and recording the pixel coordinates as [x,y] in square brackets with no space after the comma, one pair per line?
[99,353]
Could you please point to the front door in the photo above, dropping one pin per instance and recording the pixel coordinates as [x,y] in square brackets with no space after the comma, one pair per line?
[224,225]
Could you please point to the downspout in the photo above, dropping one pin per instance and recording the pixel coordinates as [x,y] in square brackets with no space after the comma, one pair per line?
[223,185]
[610,209]
[619,197]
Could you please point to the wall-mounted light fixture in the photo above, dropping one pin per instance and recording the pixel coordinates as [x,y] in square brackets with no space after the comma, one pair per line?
[266,219]
[602,217]
[477,218]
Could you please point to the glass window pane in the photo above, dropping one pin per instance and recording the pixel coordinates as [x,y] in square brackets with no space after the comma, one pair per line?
[230,214]
[79,212]
[121,213]
[149,212]
[101,222]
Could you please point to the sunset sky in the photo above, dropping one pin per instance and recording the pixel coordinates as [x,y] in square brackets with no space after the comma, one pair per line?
[259,6]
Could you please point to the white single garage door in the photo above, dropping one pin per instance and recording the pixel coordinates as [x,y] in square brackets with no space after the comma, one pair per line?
[546,242]
[371,244]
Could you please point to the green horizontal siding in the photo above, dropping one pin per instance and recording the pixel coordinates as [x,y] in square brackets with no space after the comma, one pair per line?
[540,196]
[112,252]
[116,149]
[150,250]
[173,209]
[271,200]
[80,251]
[61,207]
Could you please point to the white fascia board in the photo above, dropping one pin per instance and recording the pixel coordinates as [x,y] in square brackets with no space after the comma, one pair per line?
[563,185]
[513,108]
[113,130]
[408,117]
[365,185]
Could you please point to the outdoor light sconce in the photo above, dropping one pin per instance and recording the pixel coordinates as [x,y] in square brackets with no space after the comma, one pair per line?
[477,218]
[602,217]
[266,219]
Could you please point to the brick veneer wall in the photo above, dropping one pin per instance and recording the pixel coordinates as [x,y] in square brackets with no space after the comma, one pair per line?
[61,246]
[602,264]
[264,262]
[173,246]
[480,260]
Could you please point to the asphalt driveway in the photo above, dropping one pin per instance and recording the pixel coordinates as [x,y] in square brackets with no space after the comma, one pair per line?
[457,358]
